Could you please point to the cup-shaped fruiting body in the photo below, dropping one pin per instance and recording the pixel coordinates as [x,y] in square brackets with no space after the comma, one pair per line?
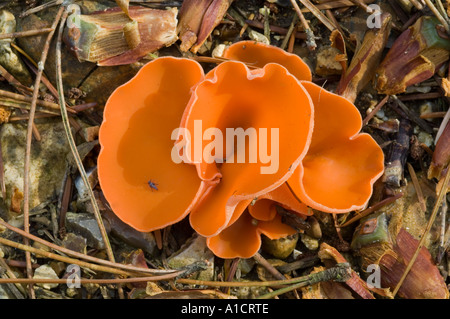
[230,146]
[242,237]
[338,172]
[257,55]
[249,129]
[141,182]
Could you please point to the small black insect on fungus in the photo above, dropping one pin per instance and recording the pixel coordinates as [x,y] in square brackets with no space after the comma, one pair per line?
[152,185]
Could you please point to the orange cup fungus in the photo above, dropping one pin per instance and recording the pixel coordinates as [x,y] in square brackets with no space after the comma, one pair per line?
[228,147]
[261,123]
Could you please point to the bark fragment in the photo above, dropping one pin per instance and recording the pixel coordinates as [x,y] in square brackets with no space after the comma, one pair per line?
[414,57]
[111,37]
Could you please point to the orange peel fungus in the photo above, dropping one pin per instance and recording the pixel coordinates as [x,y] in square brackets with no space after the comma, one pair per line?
[154,174]
[254,113]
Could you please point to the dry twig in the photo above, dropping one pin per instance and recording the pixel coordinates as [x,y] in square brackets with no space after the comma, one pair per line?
[310,41]
[438,15]
[26,179]
[27,33]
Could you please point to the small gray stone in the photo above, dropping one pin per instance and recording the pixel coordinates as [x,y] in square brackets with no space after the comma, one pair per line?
[86,226]
[143,240]
[83,191]
[75,242]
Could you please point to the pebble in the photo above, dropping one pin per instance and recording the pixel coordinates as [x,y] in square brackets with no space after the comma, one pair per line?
[314,231]
[218,51]
[143,240]
[45,272]
[75,242]
[83,192]
[279,248]
[426,108]
[86,226]
[258,37]
[309,242]
[425,138]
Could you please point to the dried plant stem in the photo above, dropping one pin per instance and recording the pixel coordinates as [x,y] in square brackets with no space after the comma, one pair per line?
[310,41]
[23,98]
[442,237]
[83,256]
[277,29]
[290,31]
[291,43]
[23,89]
[432,115]
[441,9]
[21,106]
[375,110]
[13,81]
[372,209]
[91,281]
[72,144]
[245,26]
[82,107]
[304,280]
[416,184]
[19,291]
[26,116]
[19,49]
[46,5]
[333,20]
[27,33]
[437,205]
[410,114]
[335,4]
[318,14]
[338,229]
[361,4]
[420,96]
[438,15]
[341,273]
[417,4]
[266,23]
[2,173]
[26,178]
[273,271]
[68,260]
